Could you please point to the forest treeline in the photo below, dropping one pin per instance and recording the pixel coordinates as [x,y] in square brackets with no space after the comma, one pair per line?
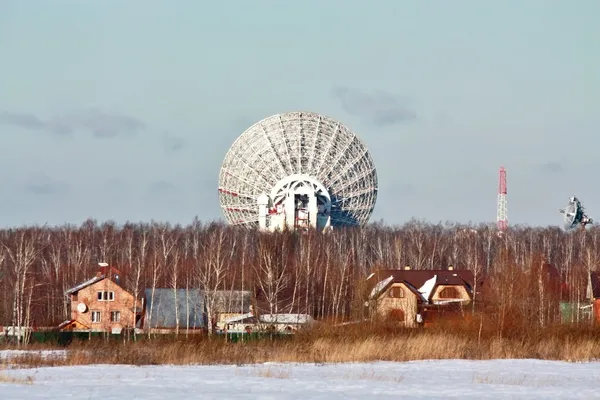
[320,274]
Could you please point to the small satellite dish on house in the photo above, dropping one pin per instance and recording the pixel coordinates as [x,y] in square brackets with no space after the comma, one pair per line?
[103,264]
[82,307]
[574,214]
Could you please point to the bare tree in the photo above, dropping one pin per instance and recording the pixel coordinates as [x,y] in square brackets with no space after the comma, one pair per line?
[22,252]
[210,270]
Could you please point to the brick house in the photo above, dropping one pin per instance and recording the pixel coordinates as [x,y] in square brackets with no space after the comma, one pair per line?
[100,304]
[416,297]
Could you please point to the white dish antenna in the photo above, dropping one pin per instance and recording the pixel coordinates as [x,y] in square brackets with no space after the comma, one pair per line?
[82,307]
[103,264]
[312,157]
[574,214]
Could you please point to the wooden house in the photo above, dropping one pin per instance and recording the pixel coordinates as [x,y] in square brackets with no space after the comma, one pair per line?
[100,304]
[407,296]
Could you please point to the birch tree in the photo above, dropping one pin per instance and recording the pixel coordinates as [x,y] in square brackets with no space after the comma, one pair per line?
[22,252]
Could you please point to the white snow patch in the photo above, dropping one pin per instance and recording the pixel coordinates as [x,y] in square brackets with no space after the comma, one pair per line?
[380,286]
[492,379]
[427,287]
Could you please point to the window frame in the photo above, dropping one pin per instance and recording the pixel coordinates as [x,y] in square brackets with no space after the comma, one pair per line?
[453,290]
[96,320]
[105,295]
[116,313]
[393,289]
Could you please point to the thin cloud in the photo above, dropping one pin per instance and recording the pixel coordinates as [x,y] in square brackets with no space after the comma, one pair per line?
[552,167]
[23,120]
[379,108]
[404,188]
[173,144]
[42,184]
[99,124]
[161,188]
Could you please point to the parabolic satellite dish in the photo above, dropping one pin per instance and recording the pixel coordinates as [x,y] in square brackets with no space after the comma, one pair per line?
[298,170]
[574,214]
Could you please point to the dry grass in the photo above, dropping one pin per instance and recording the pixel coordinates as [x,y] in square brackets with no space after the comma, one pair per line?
[348,344]
[372,376]
[6,379]
[518,380]
[269,372]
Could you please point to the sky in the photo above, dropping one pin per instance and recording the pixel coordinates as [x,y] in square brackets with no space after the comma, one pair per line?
[124,111]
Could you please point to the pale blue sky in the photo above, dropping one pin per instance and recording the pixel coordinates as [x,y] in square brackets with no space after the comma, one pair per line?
[124,110]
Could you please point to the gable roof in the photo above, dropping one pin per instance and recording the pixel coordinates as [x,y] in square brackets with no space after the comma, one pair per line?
[418,278]
[103,272]
[167,308]
[85,284]
[380,287]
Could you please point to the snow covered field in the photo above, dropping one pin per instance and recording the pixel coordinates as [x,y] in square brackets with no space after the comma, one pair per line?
[497,379]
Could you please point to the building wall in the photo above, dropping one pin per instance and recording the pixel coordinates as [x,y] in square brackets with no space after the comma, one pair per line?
[596,307]
[122,302]
[461,291]
[408,304]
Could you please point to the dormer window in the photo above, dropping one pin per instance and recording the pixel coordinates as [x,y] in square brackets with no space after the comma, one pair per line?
[449,293]
[106,296]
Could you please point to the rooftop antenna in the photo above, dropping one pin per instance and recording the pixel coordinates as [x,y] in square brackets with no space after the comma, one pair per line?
[501,213]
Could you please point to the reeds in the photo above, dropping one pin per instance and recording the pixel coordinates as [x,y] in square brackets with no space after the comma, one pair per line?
[351,343]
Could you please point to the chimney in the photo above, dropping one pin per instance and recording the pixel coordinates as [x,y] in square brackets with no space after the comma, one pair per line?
[450,268]
[407,267]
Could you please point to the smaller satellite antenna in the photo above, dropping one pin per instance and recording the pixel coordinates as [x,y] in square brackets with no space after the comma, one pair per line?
[82,307]
[574,214]
[103,264]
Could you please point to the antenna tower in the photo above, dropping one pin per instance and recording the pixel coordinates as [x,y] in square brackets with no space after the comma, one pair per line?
[502,215]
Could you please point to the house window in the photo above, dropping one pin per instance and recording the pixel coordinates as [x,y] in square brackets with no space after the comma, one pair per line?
[449,293]
[396,314]
[115,316]
[396,293]
[96,316]
[106,296]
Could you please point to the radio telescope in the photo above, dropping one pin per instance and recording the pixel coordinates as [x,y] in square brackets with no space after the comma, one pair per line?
[574,214]
[297,170]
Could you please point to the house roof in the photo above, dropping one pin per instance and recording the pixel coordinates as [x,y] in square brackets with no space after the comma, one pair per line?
[85,284]
[285,318]
[103,272]
[167,308]
[72,321]
[240,319]
[384,284]
[417,278]
[231,301]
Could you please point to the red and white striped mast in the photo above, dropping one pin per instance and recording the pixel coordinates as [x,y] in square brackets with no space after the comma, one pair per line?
[502,214]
